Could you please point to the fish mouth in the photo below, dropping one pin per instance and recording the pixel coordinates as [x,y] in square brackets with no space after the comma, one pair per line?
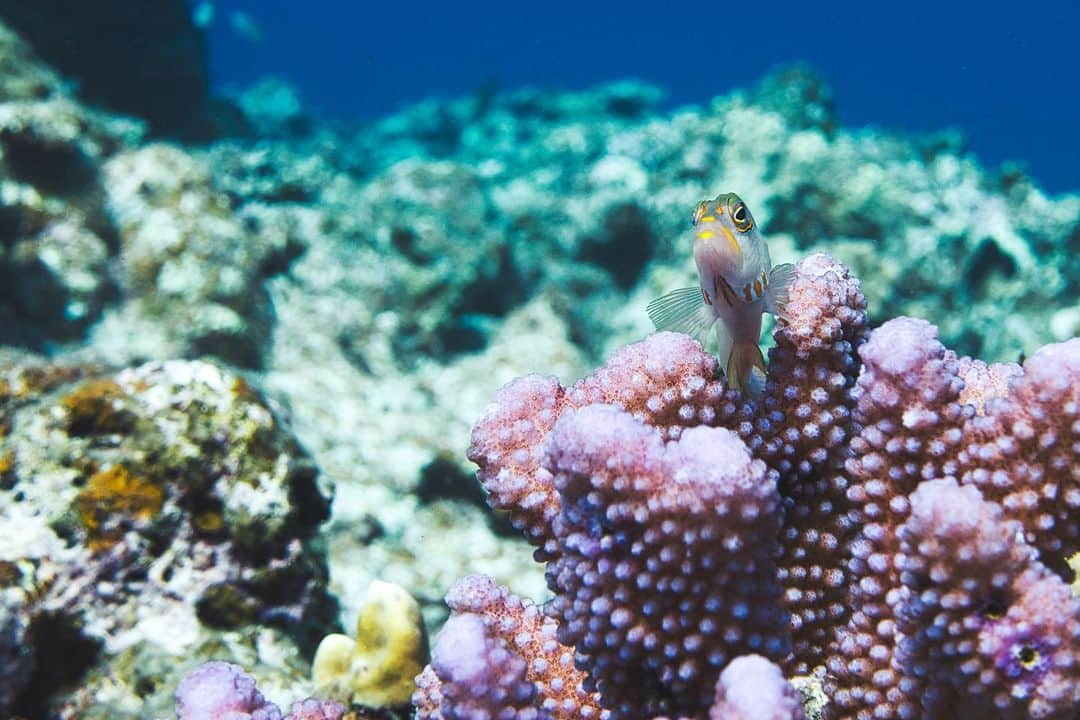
[718,231]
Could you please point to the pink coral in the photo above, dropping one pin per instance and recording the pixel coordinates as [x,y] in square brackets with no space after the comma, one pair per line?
[666,565]
[666,381]
[617,482]
[497,658]
[983,629]
[752,688]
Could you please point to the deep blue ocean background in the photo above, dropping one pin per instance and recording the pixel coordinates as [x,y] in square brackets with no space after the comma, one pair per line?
[1005,74]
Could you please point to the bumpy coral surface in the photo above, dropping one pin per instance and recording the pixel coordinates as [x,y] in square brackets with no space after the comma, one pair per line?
[874,521]
[515,630]
[666,566]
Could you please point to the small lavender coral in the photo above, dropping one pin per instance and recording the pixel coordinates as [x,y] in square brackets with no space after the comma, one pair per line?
[474,671]
[511,628]
[222,691]
[752,688]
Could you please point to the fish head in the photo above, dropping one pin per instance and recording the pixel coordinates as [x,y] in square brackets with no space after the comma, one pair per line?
[726,240]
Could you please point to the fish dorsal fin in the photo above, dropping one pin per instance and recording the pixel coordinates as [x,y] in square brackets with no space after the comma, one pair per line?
[683,310]
[776,295]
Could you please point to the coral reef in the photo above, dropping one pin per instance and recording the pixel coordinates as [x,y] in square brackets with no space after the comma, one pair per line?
[57,236]
[920,596]
[457,244]
[380,283]
[376,669]
[148,514]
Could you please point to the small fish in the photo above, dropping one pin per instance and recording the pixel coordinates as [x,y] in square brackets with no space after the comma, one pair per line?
[203,15]
[737,283]
[246,27]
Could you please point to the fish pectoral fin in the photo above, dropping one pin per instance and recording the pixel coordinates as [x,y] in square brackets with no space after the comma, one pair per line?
[746,368]
[776,295]
[683,310]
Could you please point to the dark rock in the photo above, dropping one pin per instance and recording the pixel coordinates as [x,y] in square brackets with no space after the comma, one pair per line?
[147,61]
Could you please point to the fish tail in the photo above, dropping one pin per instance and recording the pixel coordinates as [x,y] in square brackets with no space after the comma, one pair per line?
[746,368]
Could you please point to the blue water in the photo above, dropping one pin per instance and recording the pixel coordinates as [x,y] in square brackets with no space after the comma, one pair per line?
[1005,74]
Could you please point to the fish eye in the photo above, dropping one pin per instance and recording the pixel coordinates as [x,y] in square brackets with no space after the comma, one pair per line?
[741,216]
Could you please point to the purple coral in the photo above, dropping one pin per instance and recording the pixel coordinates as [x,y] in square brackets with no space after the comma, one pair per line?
[222,691]
[667,381]
[521,626]
[983,629]
[667,554]
[477,676]
[315,709]
[1024,451]
[616,481]
[498,658]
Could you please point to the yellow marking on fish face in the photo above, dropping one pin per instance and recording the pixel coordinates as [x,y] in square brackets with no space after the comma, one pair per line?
[705,234]
[708,218]
[764,279]
[731,239]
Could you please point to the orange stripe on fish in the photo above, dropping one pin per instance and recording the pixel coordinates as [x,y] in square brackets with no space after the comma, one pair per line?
[757,288]
[724,288]
[732,240]
[705,296]
[746,293]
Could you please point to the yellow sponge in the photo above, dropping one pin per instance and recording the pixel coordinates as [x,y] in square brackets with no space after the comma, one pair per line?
[377,668]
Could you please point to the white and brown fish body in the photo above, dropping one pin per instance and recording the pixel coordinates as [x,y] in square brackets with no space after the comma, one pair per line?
[737,283]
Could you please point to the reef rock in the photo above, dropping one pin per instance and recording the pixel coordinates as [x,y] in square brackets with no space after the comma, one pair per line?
[147,517]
